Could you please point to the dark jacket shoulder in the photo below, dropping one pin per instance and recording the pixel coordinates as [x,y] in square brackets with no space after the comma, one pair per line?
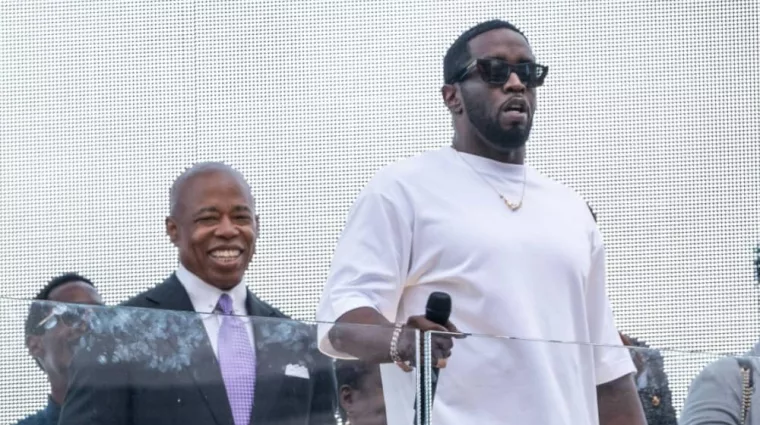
[171,295]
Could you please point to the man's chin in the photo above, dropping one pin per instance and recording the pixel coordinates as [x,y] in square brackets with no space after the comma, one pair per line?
[506,140]
[225,280]
[507,146]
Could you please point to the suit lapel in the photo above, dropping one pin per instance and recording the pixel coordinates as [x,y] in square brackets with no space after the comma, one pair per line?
[208,378]
[204,369]
[269,379]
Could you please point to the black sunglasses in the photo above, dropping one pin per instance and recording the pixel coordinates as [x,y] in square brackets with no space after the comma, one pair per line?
[497,71]
[59,314]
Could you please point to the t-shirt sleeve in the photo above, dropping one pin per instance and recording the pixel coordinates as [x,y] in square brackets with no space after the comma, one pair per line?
[371,259]
[715,395]
[611,359]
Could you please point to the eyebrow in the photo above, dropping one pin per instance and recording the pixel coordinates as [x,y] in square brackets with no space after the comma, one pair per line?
[236,208]
[522,59]
[205,210]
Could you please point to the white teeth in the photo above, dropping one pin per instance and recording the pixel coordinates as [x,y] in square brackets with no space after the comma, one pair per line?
[229,253]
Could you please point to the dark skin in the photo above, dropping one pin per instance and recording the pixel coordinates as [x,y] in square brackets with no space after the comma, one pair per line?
[371,343]
[502,44]
[214,227]
[53,348]
[618,400]
[365,404]
[619,403]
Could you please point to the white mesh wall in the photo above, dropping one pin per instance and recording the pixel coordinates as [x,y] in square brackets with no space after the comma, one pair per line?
[649,110]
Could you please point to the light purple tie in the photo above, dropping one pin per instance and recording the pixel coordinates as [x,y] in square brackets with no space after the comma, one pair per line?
[237,360]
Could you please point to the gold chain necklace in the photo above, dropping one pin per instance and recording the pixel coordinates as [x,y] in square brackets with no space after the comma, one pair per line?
[510,205]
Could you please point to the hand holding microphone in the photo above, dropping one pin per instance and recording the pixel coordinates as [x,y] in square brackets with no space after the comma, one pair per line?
[436,319]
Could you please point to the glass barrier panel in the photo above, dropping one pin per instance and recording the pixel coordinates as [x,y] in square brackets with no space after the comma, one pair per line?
[87,364]
[502,380]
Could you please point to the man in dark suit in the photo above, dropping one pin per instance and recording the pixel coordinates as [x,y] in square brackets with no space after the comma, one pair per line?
[51,330]
[187,368]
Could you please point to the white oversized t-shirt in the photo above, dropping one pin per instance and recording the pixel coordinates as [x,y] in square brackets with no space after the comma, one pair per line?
[432,223]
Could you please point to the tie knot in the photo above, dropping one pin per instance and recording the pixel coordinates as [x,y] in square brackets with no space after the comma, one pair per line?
[225,304]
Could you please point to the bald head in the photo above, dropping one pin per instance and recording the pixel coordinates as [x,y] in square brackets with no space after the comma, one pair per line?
[213,223]
[176,194]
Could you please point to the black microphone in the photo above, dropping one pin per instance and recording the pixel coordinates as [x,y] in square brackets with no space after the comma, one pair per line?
[437,310]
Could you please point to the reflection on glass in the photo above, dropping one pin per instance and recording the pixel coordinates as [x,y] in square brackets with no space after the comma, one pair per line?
[146,366]
[52,331]
[651,382]
[360,392]
[717,385]
[164,358]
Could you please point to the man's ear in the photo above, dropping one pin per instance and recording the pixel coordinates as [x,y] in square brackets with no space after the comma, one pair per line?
[346,398]
[171,230]
[34,345]
[255,232]
[450,95]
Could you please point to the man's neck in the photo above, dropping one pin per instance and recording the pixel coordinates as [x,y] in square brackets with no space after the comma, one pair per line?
[514,156]
[58,390]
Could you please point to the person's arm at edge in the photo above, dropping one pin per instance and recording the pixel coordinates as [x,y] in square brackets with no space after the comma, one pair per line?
[370,343]
[367,277]
[368,269]
[714,396]
[619,403]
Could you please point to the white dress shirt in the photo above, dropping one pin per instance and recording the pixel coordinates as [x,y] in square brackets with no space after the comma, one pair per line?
[205,297]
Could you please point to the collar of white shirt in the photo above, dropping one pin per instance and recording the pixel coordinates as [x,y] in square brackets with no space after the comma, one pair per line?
[204,297]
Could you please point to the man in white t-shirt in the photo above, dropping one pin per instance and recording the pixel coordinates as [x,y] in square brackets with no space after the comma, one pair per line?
[519,254]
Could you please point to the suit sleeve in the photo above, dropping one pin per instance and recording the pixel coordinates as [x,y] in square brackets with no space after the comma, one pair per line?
[97,394]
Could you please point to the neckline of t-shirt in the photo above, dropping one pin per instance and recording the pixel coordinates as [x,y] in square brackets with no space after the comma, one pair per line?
[489,166]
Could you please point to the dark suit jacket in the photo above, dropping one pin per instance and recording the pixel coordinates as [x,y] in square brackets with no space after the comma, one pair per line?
[133,392]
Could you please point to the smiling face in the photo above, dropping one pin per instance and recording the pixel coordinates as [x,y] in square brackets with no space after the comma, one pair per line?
[214,227]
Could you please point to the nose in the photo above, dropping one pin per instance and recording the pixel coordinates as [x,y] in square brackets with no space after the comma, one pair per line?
[226,228]
[514,84]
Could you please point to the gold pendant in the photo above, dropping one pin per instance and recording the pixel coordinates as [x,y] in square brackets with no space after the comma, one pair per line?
[511,206]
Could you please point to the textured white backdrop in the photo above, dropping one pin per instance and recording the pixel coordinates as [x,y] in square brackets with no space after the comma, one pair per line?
[649,111]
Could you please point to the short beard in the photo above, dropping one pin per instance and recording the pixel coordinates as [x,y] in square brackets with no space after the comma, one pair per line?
[493,134]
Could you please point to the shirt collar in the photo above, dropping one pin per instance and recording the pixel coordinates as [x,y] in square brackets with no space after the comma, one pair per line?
[52,411]
[205,297]
[489,166]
